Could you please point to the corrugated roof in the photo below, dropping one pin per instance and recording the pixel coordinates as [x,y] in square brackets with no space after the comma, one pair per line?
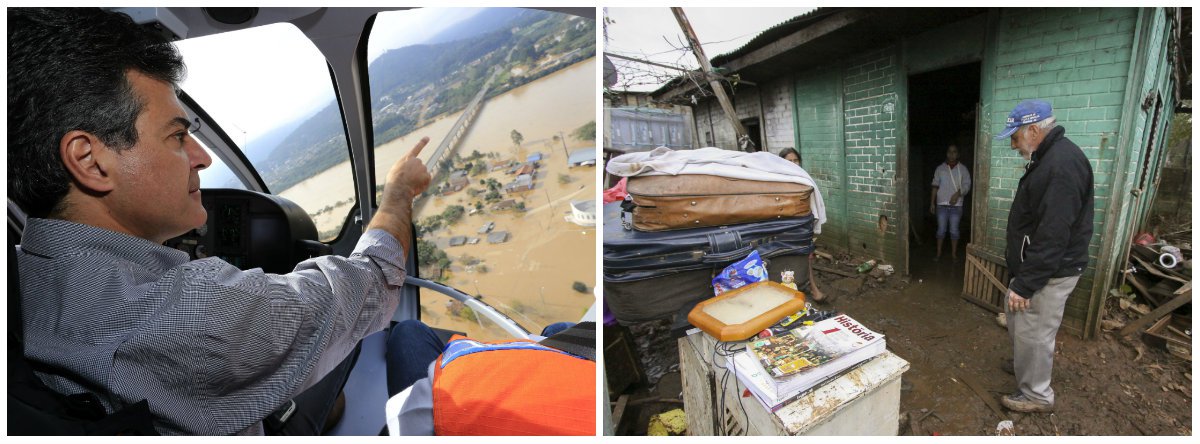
[763,38]
[776,32]
[581,155]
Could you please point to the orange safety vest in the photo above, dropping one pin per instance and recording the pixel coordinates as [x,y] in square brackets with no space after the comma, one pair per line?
[512,388]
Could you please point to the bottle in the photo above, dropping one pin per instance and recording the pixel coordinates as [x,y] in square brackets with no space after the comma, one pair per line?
[866,266]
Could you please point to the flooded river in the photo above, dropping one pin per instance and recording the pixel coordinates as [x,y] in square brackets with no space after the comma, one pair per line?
[531,276]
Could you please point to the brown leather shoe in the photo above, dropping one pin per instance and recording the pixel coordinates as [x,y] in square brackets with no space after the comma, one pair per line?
[1017,402]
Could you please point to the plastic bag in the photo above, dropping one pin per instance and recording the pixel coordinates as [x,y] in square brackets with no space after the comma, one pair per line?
[746,271]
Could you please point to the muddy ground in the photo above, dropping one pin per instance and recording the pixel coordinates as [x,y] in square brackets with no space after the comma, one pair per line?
[1102,386]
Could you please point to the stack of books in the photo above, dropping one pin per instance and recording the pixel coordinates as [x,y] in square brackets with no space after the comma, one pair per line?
[781,368]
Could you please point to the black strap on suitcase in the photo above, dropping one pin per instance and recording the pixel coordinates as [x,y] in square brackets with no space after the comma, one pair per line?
[631,255]
[653,275]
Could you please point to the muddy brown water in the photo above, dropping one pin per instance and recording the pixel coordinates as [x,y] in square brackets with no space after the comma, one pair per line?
[530,277]
[540,110]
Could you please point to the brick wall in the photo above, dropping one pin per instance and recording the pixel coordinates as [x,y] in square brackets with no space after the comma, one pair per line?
[779,131]
[818,122]
[770,102]
[711,119]
[843,116]
[846,123]
[869,122]
[746,101]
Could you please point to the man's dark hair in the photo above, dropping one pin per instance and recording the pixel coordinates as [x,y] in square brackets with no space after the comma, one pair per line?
[67,71]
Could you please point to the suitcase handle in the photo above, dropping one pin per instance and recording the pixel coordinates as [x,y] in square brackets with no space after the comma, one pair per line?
[727,257]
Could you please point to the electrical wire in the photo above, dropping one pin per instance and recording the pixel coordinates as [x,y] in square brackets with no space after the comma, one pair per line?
[726,352]
[720,429]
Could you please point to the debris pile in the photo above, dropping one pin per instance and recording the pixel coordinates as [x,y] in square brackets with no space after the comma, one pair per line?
[1156,293]
[854,272]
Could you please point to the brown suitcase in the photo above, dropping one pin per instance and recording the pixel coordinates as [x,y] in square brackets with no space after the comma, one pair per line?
[696,200]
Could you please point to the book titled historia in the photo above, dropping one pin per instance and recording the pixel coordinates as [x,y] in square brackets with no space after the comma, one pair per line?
[780,367]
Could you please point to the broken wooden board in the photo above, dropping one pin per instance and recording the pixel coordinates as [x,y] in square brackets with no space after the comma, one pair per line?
[834,271]
[1157,313]
[1144,252]
[995,282]
[983,281]
[618,410]
[1185,288]
[659,399]
[1143,289]
[1164,290]
[914,426]
[983,395]
[914,423]
[1164,335]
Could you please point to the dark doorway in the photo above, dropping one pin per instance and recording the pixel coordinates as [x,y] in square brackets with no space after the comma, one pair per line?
[942,108]
[754,130]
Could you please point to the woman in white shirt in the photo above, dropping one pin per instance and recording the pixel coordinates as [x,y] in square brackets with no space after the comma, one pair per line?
[951,182]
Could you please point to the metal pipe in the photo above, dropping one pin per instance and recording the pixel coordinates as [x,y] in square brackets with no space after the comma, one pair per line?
[510,326]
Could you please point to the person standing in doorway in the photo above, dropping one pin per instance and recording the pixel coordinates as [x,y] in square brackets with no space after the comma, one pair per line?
[951,181]
[1049,227]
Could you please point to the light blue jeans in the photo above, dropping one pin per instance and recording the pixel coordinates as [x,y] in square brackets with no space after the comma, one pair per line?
[948,215]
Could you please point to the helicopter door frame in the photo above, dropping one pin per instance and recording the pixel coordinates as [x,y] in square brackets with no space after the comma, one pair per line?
[218,141]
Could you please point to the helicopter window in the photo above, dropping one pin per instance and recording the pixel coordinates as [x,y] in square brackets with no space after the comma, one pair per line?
[218,175]
[502,94]
[269,90]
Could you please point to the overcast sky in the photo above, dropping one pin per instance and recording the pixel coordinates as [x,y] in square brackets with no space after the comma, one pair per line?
[653,34]
[258,79]
[397,29]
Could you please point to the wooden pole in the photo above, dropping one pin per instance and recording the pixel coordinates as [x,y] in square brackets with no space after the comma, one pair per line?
[717,88]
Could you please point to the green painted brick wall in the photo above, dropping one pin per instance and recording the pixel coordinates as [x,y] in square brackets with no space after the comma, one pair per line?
[870,130]
[1078,59]
[820,141]
[852,154]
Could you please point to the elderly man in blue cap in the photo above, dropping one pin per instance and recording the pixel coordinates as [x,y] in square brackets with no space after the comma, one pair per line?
[1049,227]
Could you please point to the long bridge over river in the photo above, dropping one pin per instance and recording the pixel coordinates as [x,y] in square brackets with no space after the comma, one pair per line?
[456,133]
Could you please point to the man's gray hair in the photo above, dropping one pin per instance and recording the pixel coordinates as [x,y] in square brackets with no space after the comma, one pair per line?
[1046,123]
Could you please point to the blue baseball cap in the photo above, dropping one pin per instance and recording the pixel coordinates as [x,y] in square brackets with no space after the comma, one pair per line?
[1025,113]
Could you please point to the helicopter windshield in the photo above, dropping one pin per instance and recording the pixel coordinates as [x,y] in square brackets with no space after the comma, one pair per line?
[269,88]
[504,95]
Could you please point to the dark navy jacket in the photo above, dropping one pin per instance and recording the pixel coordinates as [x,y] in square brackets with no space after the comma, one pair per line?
[1050,223]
